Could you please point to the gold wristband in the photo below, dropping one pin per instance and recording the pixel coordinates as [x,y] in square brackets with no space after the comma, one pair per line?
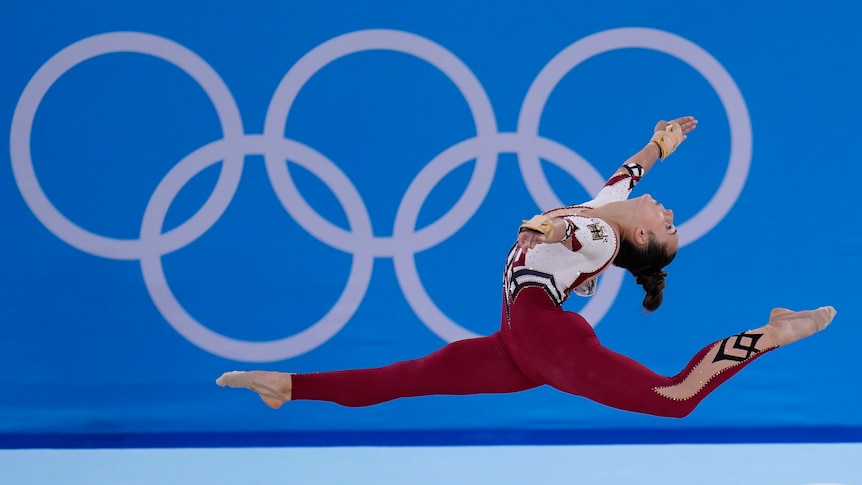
[668,139]
[541,224]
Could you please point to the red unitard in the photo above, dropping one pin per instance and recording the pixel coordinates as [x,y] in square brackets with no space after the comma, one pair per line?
[540,343]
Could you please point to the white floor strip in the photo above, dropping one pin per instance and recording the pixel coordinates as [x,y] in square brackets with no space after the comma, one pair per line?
[803,464]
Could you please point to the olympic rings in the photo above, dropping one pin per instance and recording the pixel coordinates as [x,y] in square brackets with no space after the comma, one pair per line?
[359,241]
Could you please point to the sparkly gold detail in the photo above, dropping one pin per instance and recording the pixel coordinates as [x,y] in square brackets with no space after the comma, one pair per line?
[597,231]
[701,374]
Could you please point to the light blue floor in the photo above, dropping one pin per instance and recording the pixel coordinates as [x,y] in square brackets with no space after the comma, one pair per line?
[642,465]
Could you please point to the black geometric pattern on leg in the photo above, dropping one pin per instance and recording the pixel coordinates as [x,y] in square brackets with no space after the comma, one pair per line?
[738,348]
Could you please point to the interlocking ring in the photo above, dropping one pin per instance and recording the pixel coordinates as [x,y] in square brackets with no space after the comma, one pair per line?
[359,241]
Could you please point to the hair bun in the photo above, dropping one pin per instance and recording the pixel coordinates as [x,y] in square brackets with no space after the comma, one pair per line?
[653,283]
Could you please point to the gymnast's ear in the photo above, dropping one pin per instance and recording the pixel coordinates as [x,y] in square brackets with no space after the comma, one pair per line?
[641,236]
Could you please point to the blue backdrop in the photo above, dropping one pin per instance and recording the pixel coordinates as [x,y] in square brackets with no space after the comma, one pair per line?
[195,187]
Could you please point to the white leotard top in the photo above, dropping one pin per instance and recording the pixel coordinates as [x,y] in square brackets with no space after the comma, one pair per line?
[560,270]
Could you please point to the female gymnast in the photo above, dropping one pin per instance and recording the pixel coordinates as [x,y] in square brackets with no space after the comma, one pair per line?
[557,253]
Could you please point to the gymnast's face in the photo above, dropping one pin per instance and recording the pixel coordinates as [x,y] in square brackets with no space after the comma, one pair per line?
[656,220]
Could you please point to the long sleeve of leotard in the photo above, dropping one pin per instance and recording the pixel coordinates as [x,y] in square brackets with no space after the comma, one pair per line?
[618,187]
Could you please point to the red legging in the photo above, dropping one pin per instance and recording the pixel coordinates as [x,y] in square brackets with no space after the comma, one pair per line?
[542,344]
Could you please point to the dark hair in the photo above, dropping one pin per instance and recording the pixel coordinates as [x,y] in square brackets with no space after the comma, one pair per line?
[646,263]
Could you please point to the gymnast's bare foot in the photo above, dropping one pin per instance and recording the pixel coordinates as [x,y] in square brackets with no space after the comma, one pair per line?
[787,326]
[274,388]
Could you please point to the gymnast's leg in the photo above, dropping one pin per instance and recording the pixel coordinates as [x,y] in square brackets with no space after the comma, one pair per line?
[471,366]
[560,349]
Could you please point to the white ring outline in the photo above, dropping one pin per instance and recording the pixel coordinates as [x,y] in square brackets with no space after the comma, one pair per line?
[71,56]
[487,144]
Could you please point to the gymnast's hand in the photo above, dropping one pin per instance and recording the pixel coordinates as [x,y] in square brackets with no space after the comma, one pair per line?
[687,123]
[528,239]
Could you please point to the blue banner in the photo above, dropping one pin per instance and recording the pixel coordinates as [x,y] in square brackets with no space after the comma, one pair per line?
[197,187]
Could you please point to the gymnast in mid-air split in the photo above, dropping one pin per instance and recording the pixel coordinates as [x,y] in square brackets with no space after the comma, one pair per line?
[557,253]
